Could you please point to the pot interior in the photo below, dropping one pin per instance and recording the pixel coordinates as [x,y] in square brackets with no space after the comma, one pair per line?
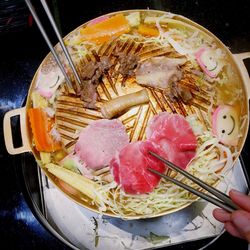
[72,114]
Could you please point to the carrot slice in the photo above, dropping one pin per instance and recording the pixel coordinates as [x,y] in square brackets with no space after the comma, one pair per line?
[103,31]
[147,31]
[41,126]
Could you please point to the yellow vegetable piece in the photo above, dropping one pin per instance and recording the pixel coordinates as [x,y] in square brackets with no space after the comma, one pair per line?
[38,101]
[45,157]
[77,181]
[147,31]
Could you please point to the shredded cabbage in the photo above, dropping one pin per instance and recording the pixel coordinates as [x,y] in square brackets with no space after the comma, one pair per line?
[134,19]
[195,124]
[210,165]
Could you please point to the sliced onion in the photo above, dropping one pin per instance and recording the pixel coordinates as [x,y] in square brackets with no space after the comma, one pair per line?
[178,47]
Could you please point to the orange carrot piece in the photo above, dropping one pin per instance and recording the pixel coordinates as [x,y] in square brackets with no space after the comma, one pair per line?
[41,125]
[103,31]
[147,31]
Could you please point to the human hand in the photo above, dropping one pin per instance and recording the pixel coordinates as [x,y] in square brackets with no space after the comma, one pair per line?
[236,223]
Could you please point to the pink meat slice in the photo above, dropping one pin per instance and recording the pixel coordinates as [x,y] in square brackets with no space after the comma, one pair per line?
[129,168]
[173,137]
[99,142]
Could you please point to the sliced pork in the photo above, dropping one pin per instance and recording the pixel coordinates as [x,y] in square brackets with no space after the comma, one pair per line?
[173,137]
[99,142]
[176,91]
[129,168]
[128,63]
[159,72]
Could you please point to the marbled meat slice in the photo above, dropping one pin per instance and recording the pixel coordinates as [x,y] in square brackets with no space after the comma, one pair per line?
[129,168]
[99,141]
[173,136]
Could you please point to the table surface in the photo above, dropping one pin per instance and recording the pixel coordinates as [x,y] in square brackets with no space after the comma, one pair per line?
[23,50]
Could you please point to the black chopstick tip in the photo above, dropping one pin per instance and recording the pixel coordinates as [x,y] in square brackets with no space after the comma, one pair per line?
[150,169]
[151,152]
[154,171]
[156,155]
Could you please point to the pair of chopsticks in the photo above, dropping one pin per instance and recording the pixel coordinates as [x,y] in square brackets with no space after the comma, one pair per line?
[63,46]
[223,201]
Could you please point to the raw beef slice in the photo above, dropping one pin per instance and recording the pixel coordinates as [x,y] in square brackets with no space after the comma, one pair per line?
[129,168]
[173,137]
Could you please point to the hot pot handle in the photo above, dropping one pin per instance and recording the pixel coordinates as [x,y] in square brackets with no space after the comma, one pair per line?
[239,59]
[7,130]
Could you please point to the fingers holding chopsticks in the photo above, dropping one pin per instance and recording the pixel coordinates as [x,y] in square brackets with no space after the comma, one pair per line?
[221,215]
[233,230]
[235,212]
[241,199]
[236,223]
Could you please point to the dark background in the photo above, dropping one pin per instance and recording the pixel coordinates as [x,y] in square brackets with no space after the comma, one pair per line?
[22,50]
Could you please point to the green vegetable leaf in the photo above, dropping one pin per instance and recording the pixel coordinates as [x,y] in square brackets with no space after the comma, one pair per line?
[97,237]
[155,239]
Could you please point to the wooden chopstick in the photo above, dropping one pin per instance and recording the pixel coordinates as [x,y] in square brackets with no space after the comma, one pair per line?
[225,203]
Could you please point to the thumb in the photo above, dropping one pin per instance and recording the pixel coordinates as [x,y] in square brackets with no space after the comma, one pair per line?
[241,220]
